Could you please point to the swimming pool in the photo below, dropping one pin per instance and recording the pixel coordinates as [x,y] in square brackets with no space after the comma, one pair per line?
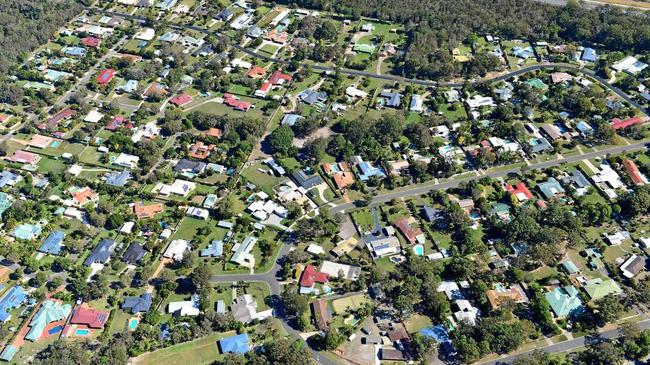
[55,144]
[419,250]
[81,332]
[133,323]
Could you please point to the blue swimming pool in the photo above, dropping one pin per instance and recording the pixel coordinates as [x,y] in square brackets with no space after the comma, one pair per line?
[81,332]
[55,144]
[133,323]
[419,250]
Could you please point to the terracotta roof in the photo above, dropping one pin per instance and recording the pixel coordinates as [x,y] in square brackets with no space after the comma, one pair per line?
[278,77]
[105,76]
[83,196]
[411,233]
[343,180]
[214,132]
[518,190]
[311,276]
[256,72]
[633,171]
[142,211]
[497,296]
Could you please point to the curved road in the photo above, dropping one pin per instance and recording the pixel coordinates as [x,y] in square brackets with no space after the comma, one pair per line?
[271,277]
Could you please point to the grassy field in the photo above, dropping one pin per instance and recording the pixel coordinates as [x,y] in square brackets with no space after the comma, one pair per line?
[201,351]
[352,302]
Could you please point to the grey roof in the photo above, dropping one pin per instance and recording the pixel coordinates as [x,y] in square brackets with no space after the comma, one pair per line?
[578,179]
[138,304]
[186,165]
[542,145]
[118,178]
[101,253]
[392,99]
[305,181]
[312,97]
[431,214]
[225,14]
[134,253]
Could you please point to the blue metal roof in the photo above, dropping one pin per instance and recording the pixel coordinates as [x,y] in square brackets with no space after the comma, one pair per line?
[53,243]
[118,179]
[236,344]
[138,304]
[101,253]
[12,299]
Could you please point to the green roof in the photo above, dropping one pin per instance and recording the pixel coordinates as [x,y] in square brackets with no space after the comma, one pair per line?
[537,83]
[570,267]
[364,48]
[599,288]
[8,353]
[5,202]
[564,301]
[49,312]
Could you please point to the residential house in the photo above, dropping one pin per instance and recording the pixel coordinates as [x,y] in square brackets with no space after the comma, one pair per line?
[598,288]
[244,309]
[85,316]
[633,171]
[238,344]
[412,233]
[306,181]
[632,266]
[139,304]
[50,311]
[321,314]
[310,276]
[564,301]
[176,250]
[102,252]
[185,308]
[242,252]
[497,295]
[551,189]
[134,254]
[143,211]
[53,243]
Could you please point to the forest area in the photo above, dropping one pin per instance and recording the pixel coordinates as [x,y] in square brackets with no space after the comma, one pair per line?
[25,24]
[433,27]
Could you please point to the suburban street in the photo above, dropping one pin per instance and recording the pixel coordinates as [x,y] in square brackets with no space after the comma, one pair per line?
[271,276]
[569,345]
[453,182]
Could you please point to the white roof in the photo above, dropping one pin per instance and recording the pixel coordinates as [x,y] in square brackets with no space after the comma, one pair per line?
[185,308]
[126,160]
[94,116]
[75,170]
[145,34]
[127,227]
[176,249]
[629,64]
[315,249]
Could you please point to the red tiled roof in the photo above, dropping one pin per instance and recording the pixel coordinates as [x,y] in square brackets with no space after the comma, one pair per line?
[21,156]
[520,188]
[62,115]
[411,233]
[230,100]
[311,276]
[90,317]
[278,77]
[105,76]
[90,41]
[266,86]
[621,124]
[633,171]
[181,99]
[256,72]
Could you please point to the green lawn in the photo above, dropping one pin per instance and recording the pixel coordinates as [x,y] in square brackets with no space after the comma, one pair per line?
[266,182]
[201,351]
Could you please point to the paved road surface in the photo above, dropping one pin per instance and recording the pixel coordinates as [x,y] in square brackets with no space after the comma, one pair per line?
[567,346]
[425,188]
